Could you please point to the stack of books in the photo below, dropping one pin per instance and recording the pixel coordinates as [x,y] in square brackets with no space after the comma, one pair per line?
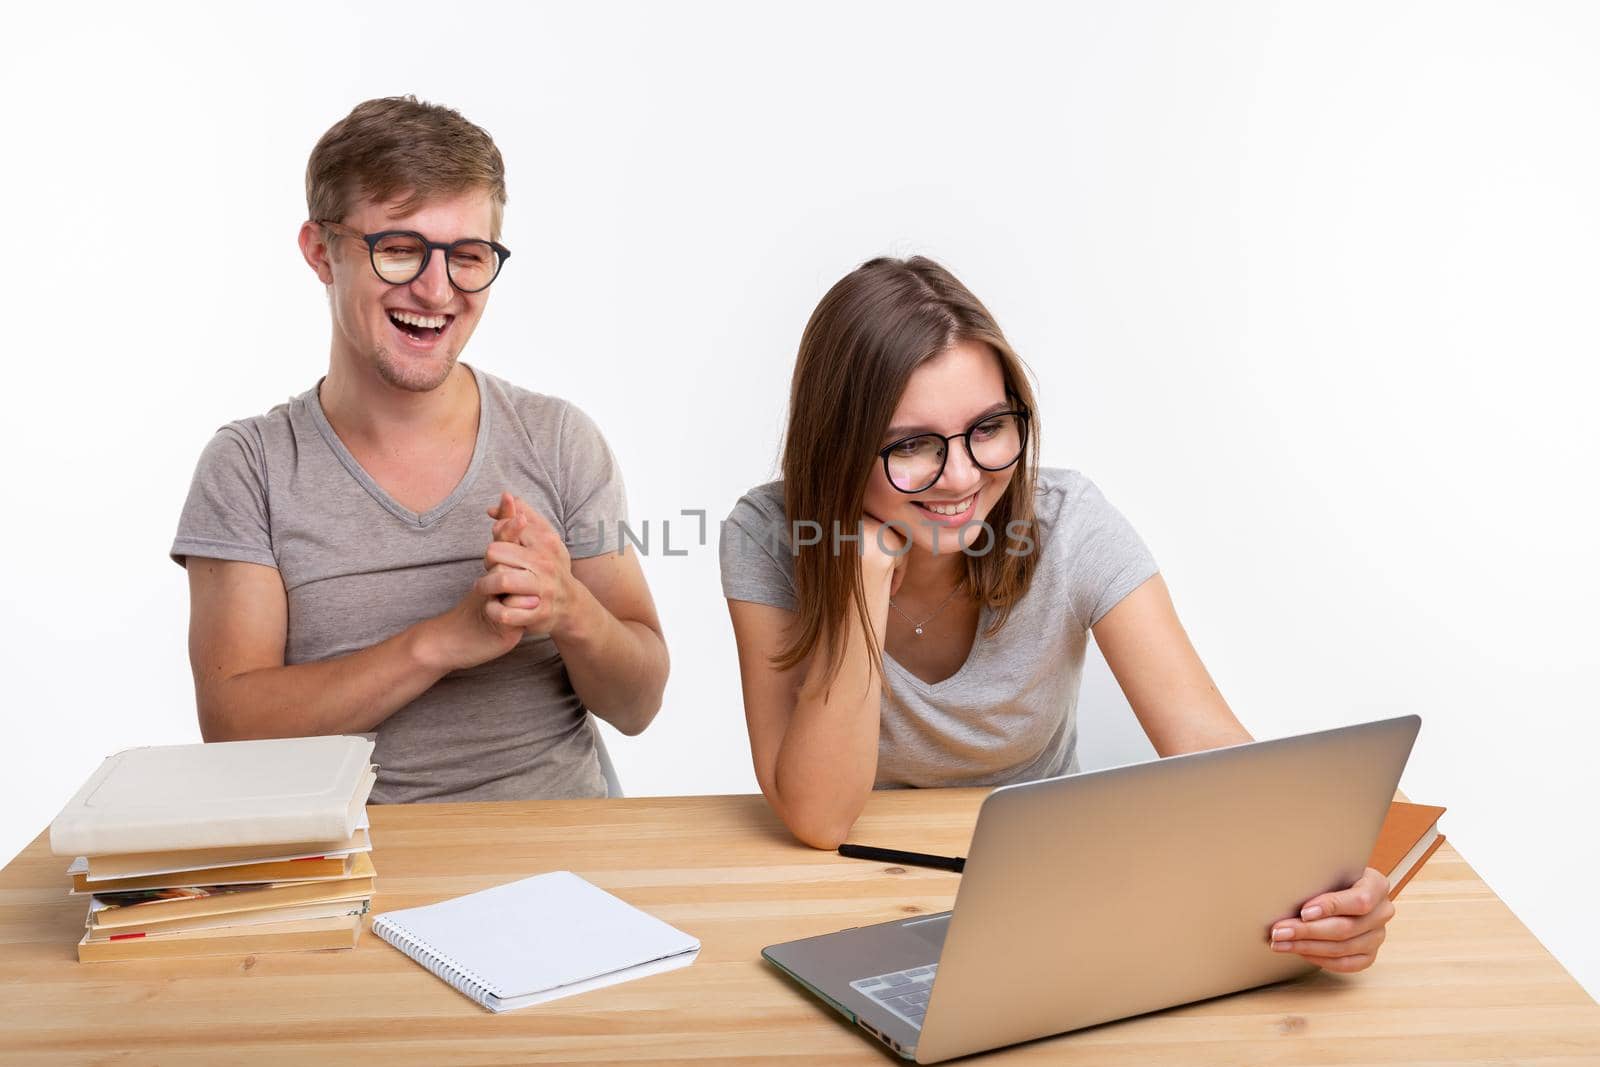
[216,849]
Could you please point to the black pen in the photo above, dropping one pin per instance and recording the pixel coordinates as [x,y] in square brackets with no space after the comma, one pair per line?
[910,859]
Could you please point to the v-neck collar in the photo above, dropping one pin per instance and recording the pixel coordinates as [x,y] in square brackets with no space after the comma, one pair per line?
[376,491]
[972,654]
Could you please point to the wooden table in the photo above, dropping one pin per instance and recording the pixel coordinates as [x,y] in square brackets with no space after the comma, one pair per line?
[1460,980]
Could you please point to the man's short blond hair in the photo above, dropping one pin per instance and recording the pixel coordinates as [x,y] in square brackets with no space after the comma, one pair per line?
[399,145]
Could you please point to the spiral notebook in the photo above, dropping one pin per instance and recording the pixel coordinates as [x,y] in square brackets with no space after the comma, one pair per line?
[543,938]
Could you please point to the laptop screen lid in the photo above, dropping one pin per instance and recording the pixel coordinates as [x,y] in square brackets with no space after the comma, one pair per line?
[1112,893]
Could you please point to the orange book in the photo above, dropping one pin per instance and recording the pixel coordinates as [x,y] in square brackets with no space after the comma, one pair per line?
[303,870]
[160,905]
[341,932]
[1409,836]
[234,920]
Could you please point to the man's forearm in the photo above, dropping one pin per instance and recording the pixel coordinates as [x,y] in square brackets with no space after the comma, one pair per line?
[348,694]
[617,667]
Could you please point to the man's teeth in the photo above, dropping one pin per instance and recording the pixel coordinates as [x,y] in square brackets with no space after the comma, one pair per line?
[950,509]
[431,322]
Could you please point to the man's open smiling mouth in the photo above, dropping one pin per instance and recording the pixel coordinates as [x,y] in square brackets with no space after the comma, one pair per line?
[421,329]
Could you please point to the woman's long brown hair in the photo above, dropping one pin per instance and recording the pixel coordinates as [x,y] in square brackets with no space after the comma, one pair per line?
[871,331]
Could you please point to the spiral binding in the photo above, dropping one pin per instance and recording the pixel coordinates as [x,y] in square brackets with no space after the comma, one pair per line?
[458,977]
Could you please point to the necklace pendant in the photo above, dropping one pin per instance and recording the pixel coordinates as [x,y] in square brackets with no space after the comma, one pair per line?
[919,631]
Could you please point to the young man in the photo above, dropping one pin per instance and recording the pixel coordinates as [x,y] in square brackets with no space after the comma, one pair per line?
[410,548]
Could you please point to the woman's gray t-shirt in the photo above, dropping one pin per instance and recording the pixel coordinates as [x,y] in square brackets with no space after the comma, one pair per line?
[282,490]
[1009,714]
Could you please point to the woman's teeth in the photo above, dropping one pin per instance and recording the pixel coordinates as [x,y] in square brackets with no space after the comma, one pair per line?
[950,509]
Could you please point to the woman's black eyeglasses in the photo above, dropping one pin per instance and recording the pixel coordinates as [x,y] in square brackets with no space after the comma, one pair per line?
[913,464]
[400,256]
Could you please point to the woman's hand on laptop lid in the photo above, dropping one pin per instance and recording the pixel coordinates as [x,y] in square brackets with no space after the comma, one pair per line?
[1340,931]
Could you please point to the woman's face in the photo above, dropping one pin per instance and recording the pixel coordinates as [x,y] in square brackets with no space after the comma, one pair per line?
[946,395]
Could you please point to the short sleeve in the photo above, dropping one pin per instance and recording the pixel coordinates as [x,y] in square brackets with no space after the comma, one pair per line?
[1109,558]
[226,514]
[757,564]
[593,498]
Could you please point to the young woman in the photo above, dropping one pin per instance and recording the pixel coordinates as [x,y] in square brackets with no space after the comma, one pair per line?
[912,601]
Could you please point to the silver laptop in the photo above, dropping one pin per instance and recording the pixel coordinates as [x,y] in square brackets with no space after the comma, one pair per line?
[1098,896]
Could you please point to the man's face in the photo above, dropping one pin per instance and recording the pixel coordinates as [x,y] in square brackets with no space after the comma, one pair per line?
[411,335]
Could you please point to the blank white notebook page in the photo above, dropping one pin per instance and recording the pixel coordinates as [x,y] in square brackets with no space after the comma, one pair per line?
[544,937]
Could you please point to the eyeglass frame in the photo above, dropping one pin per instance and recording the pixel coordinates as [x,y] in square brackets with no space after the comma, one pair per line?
[501,251]
[1022,415]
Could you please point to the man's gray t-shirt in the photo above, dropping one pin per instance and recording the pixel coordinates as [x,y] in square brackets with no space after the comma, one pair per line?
[1009,714]
[282,490]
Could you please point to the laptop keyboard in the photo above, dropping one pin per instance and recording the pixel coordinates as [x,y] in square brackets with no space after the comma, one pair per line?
[904,993]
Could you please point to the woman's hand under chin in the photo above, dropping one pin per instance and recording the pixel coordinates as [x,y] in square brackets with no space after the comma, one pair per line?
[883,549]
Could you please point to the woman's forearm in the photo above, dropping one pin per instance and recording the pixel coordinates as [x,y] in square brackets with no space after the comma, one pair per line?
[828,759]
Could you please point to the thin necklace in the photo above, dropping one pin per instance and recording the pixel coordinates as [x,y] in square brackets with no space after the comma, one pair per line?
[916,627]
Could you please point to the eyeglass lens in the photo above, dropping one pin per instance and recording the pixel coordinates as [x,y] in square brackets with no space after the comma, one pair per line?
[399,258]
[994,444]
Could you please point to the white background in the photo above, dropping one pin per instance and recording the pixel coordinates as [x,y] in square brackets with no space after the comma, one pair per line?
[1309,291]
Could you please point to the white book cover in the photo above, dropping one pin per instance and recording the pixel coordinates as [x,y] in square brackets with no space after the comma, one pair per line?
[230,793]
[545,937]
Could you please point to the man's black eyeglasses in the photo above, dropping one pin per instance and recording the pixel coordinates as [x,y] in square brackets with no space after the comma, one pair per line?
[400,256]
